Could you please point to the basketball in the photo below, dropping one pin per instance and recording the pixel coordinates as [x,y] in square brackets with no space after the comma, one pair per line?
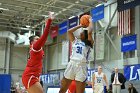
[84,20]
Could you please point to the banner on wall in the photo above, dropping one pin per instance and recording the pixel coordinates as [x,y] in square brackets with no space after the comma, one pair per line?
[127,4]
[97,13]
[51,79]
[132,72]
[63,27]
[128,43]
[54,31]
[73,22]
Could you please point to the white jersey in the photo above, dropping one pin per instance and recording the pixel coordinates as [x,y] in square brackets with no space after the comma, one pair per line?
[99,79]
[80,51]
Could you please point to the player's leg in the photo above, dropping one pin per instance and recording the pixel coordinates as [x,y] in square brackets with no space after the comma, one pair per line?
[64,85]
[80,87]
[35,88]
[81,77]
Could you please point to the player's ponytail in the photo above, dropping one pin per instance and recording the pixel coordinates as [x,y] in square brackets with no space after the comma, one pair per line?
[86,41]
[31,38]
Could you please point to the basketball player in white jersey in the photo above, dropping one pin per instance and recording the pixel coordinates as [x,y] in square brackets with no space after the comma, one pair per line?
[77,67]
[98,81]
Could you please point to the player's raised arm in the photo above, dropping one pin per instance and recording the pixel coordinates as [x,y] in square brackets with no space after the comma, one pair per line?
[70,32]
[41,41]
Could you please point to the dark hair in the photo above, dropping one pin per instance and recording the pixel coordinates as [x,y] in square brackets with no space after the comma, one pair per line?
[86,41]
[31,38]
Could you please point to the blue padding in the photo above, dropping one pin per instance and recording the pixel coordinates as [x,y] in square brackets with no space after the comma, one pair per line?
[5,83]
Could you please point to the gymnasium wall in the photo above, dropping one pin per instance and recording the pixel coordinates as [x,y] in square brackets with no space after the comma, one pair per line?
[55,57]
[2,54]
[110,52]
[18,60]
[54,54]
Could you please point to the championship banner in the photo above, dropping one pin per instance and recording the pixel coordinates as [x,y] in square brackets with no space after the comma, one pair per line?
[63,27]
[97,13]
[73,22]
[127,4]
[54,31]
[132,72]
[128,43]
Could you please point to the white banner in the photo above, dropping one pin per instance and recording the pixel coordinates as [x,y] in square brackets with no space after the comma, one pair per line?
[65,52]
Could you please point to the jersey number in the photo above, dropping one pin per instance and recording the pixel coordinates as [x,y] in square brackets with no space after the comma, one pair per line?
[98,80]
[79,50]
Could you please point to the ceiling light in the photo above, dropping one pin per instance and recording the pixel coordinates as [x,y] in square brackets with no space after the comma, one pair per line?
[25,28]
[56,14]
[77,2]
[46,16]
[52,12]
[0,3]
[71,17]
[60,12]
[98,5]
[4,9]
[28,26]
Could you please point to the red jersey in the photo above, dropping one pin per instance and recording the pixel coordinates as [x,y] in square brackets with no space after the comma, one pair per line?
[34,65]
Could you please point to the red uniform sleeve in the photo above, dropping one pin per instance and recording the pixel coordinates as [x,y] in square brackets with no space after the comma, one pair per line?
[41,41]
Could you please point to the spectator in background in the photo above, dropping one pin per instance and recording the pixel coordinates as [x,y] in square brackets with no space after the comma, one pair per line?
[132,89]
[118,81]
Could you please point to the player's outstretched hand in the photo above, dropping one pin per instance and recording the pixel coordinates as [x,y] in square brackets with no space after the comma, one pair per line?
[51,15]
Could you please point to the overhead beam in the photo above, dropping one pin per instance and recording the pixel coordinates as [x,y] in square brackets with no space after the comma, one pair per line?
[15,21]
[2,14]
[20,28]
[44,5]
[73,3]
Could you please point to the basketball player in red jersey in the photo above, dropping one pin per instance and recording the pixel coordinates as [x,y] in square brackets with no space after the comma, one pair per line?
[30,76]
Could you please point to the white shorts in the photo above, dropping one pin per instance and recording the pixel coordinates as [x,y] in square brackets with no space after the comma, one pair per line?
[76,71]
[98,89]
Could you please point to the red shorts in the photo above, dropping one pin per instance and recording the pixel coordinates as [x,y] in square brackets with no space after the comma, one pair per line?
[29,80]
